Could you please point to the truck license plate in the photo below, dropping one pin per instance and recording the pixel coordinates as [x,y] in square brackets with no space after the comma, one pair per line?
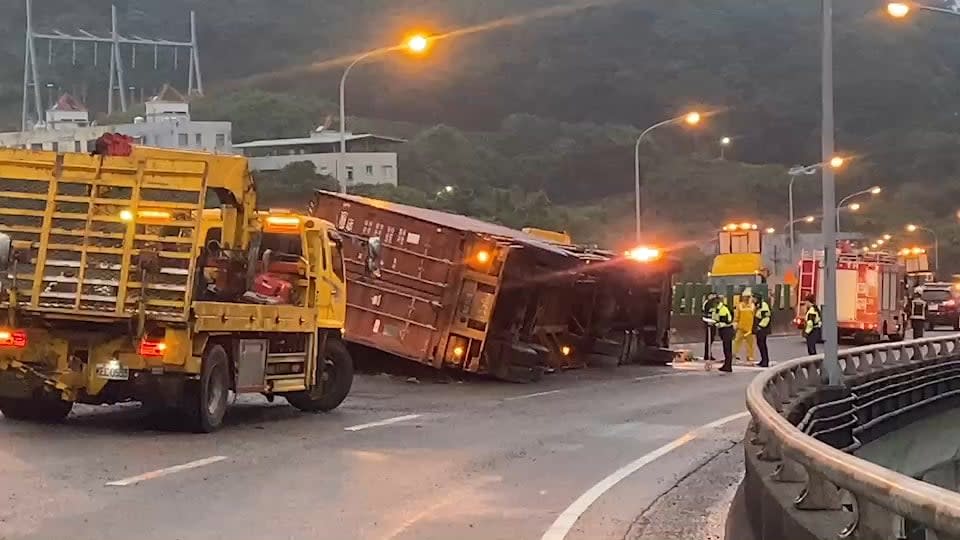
[934,307]
[113,372]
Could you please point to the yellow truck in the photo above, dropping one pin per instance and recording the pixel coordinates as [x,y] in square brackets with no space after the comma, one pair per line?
[739,259]
[143,274]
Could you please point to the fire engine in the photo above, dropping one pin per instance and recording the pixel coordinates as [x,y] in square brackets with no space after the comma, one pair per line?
[870,293]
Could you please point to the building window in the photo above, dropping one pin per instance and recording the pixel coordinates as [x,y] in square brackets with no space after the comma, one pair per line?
[221,140]
[350,174]
[199,138]
[92,145]
[183,139]
[55,146]
[388,172]
[36,146]
[369,170]
[78,146]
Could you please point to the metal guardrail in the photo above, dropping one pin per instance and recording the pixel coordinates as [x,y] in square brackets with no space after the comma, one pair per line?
[880,495]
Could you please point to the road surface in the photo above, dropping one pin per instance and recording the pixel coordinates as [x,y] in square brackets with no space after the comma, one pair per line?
[587,454]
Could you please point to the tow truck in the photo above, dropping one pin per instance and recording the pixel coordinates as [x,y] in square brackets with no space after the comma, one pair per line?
[145,274]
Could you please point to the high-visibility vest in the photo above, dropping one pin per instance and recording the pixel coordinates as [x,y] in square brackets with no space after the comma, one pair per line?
[722,316]
[918,309]
[813,320]
[763,315]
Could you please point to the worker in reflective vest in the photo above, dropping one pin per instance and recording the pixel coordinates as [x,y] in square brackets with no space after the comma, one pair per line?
[813,329]
[710,331]
[918,315]
[723,320]
[762,329]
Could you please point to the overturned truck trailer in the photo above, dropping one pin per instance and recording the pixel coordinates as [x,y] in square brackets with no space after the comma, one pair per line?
[451,291]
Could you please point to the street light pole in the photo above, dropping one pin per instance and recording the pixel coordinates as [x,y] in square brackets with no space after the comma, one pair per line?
[791,220]
[416,44]
[831,362]
[874,190]
[692,119]
[341,162]
[638,224]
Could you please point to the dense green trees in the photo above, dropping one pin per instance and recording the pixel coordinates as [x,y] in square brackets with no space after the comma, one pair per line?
[535,120]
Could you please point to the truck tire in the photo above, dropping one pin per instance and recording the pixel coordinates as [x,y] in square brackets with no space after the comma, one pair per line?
[42,409]
[333,384]
[206,401]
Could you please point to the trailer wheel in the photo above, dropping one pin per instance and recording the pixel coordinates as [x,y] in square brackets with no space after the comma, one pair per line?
[38,409]
[333,382]
[206,401]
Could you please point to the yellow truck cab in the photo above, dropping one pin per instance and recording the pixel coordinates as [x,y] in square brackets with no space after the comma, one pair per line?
[143,274]
[739,262]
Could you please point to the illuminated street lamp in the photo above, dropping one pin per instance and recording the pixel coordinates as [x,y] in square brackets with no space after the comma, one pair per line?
[724,143]
[691,119]
[836,162]
[900,10]
[770,230]
[875,190]
[936,242]
[416,44]
[887,237]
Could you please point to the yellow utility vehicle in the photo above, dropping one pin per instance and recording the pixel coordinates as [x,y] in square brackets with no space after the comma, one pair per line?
[739,261]
[144,274]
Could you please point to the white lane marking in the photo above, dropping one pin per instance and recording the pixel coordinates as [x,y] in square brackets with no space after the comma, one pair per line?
[654,377]
[387,422]
[528,396]
[568,518]
[164,472]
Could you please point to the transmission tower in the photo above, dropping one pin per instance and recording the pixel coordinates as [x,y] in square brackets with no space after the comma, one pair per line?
[118,43]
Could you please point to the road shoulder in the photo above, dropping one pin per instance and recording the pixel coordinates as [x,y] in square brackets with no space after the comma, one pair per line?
[697,506]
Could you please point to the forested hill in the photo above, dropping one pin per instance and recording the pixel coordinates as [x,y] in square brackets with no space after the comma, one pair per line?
[604,71]
[623,62]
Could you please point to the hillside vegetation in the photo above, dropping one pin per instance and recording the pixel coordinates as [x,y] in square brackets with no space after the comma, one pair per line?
[542,114]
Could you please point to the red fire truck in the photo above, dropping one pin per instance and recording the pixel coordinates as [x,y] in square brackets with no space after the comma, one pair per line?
[870,293]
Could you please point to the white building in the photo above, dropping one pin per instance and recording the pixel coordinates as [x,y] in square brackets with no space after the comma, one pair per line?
[167,125]
[370,159]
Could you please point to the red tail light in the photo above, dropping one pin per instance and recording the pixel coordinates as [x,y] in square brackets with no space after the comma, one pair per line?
[152,348]
[13,338]
[950,303]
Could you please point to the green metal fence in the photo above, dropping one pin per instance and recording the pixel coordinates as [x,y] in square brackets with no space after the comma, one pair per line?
[688,297]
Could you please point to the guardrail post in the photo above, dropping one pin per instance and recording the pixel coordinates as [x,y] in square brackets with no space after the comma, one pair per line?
[791,472]
[849,364]
[770,450]
[818,494]
[873,521]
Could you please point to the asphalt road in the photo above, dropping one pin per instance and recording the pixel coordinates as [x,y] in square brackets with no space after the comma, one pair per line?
[584,454]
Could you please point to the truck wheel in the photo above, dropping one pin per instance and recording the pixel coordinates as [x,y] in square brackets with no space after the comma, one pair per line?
[206,402]
[42,409]
[333,382]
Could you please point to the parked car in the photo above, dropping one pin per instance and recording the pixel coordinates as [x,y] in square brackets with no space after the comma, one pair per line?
[943,305]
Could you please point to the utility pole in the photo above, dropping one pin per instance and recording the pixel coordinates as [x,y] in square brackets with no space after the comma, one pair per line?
[831,363]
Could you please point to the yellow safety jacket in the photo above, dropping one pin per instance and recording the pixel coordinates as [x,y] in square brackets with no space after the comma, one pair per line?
[813,320]
[745,315]
[763,315]
[722,316]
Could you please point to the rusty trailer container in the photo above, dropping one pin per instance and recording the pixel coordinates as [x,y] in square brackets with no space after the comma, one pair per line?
[452,291]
